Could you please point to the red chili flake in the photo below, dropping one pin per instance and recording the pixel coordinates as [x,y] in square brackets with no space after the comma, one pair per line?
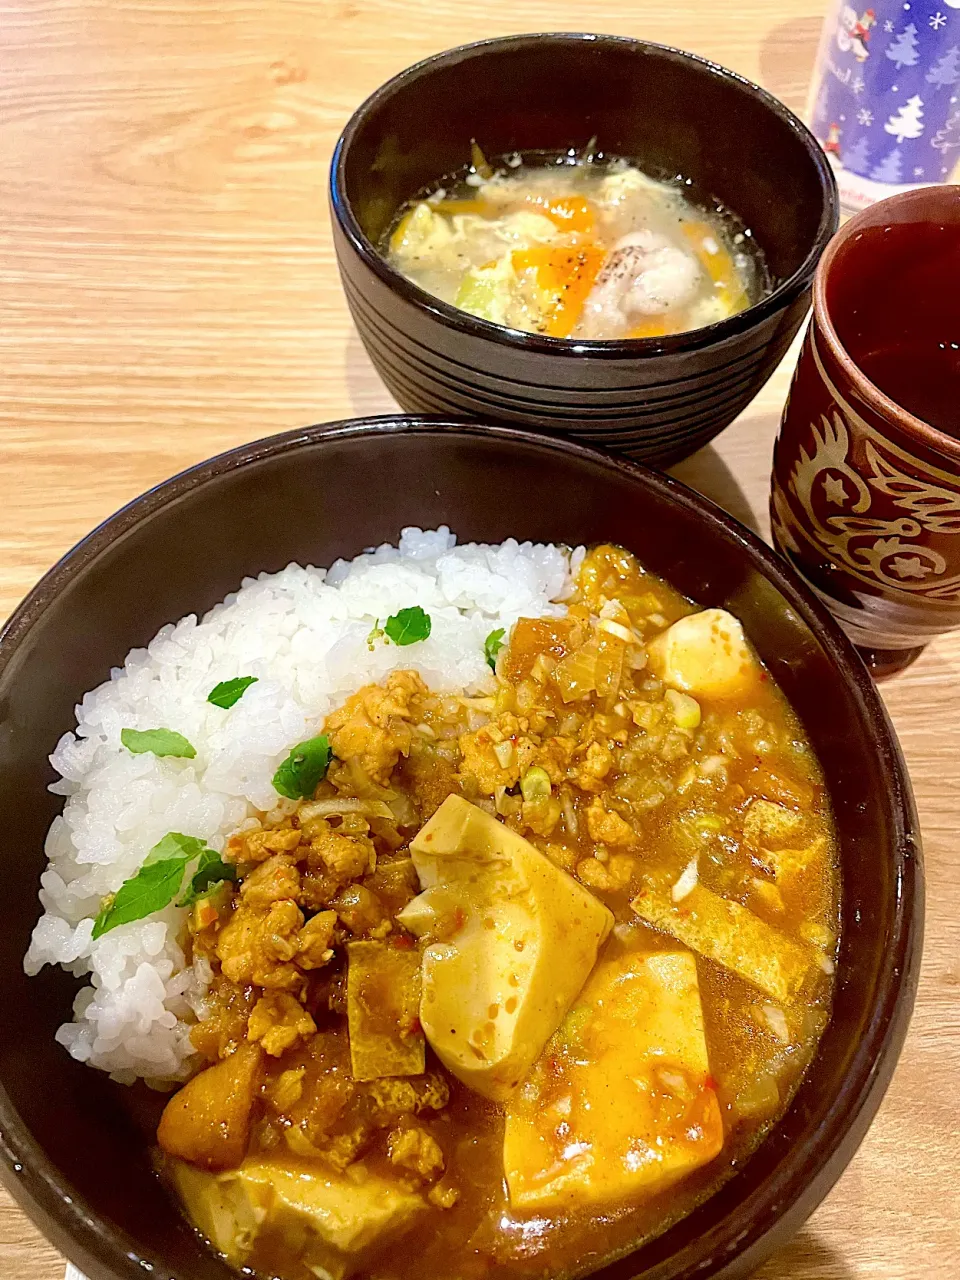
[710,1083]
[459,919]
[403,942]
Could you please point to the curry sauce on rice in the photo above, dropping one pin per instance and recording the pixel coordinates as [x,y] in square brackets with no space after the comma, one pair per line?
[486,899]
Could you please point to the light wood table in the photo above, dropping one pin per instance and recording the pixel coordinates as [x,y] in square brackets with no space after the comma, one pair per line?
[168,290]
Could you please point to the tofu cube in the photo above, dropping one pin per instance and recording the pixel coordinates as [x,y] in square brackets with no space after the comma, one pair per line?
[512,940]
[621,1103]
[731,935]
[705,654]
[326,1219]
[383,997]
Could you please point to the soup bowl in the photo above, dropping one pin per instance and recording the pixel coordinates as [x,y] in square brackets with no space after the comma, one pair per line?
[654,399]
[74,1148]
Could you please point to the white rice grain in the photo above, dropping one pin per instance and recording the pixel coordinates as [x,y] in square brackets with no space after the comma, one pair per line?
[304,633]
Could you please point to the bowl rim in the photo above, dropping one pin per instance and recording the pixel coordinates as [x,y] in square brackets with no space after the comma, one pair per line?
[87,1236]
[453,317]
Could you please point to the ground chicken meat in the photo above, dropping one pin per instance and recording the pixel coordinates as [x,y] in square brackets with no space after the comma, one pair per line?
[361,911]
[484,766]
[344,857]
[415,1150]
[373,726]
[243,959]
[611,876]
[258,845]
[313,942]
[273,880]
[607,827]
[555,756]
[279,930]
[595,766]
[278,1022]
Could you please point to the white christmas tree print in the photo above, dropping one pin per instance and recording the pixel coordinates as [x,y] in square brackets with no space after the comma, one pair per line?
[903,50]
[907,122]
[888,170]
[946,71]
[949,136]
[858,157]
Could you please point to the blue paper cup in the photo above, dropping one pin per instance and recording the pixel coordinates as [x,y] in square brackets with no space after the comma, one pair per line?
[885,97]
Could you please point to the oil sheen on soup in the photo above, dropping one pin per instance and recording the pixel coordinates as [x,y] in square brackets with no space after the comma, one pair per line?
[530,974]
[578,249]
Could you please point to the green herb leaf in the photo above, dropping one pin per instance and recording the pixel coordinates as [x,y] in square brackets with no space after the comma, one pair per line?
[229,692]
[162,742]
[492,646]
[211,872]
[175,845]
[307,763]
[153,887]
[408,626]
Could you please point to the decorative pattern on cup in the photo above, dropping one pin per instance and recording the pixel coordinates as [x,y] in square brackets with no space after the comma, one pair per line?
[871,524]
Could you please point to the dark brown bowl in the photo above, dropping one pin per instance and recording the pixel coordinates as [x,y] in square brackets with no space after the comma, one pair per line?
[71,1152]
[655,399]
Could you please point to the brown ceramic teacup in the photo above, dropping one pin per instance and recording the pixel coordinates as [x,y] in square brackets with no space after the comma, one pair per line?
[866,470]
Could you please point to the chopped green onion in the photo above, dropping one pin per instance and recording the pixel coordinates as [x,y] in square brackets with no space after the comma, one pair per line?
[374,634]
[535,784]
[685,710]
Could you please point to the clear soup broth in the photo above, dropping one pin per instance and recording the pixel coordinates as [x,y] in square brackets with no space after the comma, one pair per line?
[580,247]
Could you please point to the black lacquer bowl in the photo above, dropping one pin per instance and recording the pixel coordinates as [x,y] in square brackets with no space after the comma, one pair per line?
[69,1148]
[654,399]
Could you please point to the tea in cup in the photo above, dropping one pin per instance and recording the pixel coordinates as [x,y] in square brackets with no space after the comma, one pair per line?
[866,476]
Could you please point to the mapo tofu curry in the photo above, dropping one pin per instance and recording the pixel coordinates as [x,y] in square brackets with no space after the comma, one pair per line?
[529,974]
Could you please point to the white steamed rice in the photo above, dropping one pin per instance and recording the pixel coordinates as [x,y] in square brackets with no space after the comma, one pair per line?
[303,633]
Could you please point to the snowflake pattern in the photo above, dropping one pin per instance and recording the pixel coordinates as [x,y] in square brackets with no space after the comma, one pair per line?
[858,86]
[888,27]
[864,116]
[938,20]
[918,172]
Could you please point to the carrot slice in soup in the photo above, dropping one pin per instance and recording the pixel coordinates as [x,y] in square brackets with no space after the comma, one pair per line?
[718,264]
[653,327]
[569,213]
[569,273]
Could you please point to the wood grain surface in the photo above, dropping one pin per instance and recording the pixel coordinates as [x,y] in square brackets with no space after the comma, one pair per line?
[168,290]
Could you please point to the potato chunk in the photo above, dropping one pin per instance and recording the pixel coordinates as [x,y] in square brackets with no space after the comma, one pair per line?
[621,1102]
[705,654]
[208,1121]
[327,1218]
[511,940]
[733,936]
[383,992]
